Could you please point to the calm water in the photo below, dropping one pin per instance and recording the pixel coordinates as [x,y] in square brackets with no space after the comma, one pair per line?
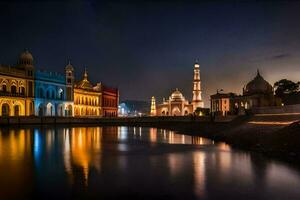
[136,163]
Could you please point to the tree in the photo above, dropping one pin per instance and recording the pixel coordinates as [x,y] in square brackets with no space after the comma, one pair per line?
[286,87]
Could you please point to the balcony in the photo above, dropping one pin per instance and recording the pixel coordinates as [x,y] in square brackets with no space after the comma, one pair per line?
[9,94]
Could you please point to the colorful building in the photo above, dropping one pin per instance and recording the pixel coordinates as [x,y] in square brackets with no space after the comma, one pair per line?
[51,95]
[17,87]
[110,101]
[87,98]
[25,91]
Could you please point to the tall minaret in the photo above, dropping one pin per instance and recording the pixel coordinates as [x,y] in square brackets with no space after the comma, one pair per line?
[197,98]
[153,107]
[69,69]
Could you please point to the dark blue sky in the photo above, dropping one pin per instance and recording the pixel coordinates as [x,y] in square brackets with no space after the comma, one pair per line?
[148,48]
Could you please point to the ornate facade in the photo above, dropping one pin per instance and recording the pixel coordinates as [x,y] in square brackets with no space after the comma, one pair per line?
[177,105]
[17,87]
[87,98]
[25,92]
[50,95]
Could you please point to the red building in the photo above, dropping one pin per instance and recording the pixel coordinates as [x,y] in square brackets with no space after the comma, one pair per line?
[110,101]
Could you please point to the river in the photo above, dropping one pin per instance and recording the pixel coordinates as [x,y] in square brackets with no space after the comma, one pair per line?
[135,163]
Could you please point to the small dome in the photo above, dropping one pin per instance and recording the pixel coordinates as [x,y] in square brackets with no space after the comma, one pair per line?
[26,55]
[258,86]
[26,59]
[177,96]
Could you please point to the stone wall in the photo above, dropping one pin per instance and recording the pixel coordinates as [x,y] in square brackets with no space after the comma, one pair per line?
[277,109]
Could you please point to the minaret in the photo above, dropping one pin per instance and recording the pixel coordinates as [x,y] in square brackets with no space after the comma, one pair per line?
[197,98]
[153,107]
[69,69]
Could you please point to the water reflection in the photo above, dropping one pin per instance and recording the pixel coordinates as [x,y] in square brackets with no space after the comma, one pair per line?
[115,161]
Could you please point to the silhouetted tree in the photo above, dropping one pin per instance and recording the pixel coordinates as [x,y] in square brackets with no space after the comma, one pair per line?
[288,91]
[286,87]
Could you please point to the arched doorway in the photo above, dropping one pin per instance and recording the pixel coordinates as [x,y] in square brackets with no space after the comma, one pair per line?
[50,111]
[16,110]
[60,110]
[176,111]
[5,109]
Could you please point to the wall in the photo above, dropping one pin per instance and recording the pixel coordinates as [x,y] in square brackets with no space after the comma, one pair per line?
[277,109]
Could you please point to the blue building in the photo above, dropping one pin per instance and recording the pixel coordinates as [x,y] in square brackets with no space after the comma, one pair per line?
[51,95]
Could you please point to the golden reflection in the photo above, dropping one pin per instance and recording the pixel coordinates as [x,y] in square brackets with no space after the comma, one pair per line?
[82,149]
[199,174]
[153,135]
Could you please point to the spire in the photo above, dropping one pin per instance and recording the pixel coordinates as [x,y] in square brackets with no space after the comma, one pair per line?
[85,76]
[258,74]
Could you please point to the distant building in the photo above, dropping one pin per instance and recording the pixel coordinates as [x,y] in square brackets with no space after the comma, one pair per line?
[17,87]
[257,93]
[177,105]
[133,108]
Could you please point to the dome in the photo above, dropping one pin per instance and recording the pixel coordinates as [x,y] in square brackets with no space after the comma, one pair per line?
[258,86]
[177,96]
[85,83]
[26,58]
[26,55]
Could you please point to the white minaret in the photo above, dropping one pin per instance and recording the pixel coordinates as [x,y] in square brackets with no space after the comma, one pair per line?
[153,107]
[197,98]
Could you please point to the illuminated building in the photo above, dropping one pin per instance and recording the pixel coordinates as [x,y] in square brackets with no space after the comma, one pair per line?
[110,101]
[51,96]
[223,103]
[177,105]
[87,98]
[17,87]
[257,93]
[197,93]
[153,107]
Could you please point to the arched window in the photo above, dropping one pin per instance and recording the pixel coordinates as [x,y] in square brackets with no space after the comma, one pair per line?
[22,91]
[53,95]
[60,94]
[4,88]
[5,109]
[41,93]
[16,110]
[13,89]
[48,94]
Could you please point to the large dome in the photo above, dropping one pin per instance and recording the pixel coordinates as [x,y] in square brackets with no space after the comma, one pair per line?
[258,86]
[177,96]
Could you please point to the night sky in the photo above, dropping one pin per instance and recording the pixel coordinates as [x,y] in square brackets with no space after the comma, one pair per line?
[148,48]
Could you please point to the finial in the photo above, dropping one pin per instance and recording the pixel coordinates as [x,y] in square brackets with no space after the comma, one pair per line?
[258,74]
[69,63]
[85,74]
[196,60]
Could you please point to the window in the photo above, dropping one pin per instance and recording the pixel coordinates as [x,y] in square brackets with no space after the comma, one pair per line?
[22,90]
[13,89]
[4,88]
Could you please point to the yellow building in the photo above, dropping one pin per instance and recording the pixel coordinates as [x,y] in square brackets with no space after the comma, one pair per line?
[17,87]
[87,98]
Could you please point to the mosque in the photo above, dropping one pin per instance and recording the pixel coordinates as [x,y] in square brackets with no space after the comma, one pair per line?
[177,105]
[256,93]
[25,91]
